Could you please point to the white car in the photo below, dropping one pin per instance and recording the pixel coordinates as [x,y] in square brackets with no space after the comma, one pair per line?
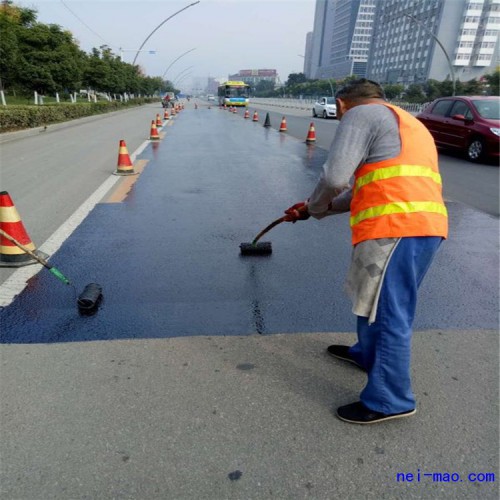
[325,107]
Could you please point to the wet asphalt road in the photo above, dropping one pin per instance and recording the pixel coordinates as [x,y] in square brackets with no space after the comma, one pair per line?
[168,256]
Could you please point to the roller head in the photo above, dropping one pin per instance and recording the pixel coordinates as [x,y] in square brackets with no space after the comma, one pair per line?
[263,248]
[89,299]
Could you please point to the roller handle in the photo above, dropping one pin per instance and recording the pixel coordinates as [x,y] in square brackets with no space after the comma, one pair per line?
[267,229]
[39,259]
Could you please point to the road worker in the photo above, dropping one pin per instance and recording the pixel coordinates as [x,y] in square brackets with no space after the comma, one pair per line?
[398,220]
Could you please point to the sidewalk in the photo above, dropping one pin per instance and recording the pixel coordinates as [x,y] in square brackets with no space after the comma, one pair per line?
[178,418]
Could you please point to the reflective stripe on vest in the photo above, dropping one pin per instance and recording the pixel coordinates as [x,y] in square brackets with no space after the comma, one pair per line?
[399,208]
[396,171]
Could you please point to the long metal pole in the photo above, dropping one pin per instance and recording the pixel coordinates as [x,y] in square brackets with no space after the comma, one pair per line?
[159,26]
[452,71]
[174,61]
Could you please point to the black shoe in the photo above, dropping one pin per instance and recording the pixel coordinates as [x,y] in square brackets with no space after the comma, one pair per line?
[342,352]
[358,413]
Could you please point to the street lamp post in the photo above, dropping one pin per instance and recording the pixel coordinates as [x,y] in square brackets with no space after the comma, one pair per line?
[452,71]
[160,25]
[175,60]
[182,72]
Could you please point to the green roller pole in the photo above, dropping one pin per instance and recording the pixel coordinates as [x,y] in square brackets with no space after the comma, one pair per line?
[58,274]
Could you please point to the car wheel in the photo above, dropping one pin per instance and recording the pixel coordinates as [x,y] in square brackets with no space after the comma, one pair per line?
[314,113]
[475,151]
[324,115]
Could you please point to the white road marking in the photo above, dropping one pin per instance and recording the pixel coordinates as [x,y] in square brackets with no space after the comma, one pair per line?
[17,282]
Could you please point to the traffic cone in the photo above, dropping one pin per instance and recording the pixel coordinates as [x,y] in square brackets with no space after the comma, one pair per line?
[195,106]
[267,121]
[159,123]
[173,113]
[10,222]
[165,116]
[255,117]
[125,166]
[154,136]
[235,110]
[311,134]
[283,125]
[247,114]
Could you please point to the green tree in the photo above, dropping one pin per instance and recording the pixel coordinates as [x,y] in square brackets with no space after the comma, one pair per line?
[432,90]
[493,82]
[264,88]
[393,91]
[415,93]
[294,78]
[13,22]
[473,87]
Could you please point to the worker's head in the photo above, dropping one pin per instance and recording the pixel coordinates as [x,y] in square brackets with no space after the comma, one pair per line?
[356,92]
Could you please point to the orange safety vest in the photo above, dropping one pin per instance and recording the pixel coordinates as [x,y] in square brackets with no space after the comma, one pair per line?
[400,196]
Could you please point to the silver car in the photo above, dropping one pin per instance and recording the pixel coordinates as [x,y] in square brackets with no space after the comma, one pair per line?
[325,107]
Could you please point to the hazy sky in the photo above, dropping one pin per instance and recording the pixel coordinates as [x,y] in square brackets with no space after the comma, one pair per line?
[227,35]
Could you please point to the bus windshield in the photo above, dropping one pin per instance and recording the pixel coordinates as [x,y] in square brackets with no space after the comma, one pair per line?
[236,91]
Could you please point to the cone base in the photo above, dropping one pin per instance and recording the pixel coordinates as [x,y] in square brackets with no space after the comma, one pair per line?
[117,172]
[21,259]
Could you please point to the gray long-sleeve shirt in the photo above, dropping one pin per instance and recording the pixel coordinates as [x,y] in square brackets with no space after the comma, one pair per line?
[367,133]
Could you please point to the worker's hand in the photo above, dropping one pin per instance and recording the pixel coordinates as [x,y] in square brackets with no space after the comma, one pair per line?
[297,212]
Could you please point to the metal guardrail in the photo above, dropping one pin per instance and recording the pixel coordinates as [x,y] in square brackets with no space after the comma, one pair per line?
[307,103]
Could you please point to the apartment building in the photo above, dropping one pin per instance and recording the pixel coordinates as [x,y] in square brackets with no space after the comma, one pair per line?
[404,41]
[417,40]
[341,38]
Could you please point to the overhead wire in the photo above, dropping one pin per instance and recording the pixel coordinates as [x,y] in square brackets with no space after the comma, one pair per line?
[86,25]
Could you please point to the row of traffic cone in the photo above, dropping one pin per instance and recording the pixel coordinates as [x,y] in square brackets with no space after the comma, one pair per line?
[125,165]
[311,133]
[10,221]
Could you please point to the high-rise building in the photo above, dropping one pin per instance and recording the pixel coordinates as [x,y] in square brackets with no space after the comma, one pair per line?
[341,38]
[308,55]
[353,26]
[405,46]
[321,39]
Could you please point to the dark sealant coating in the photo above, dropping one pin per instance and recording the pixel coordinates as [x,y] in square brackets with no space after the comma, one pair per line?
[169,262]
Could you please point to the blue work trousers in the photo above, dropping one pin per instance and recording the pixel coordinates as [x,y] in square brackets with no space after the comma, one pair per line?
[384,347]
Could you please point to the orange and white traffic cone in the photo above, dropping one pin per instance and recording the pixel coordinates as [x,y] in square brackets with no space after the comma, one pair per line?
[125,166]
[255,117]
[154,135]
[311,134]
[165,116]
[159,123]
[173,113]
[247,114]
[10,222]
[283,125]
[235,110]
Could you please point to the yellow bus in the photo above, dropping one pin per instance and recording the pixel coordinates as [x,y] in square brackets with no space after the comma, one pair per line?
[233,93]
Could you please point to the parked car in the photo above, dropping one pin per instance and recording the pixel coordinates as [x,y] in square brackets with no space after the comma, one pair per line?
[470,124]
[325,107]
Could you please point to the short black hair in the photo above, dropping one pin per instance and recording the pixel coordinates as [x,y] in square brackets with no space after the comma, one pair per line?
[361,89]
